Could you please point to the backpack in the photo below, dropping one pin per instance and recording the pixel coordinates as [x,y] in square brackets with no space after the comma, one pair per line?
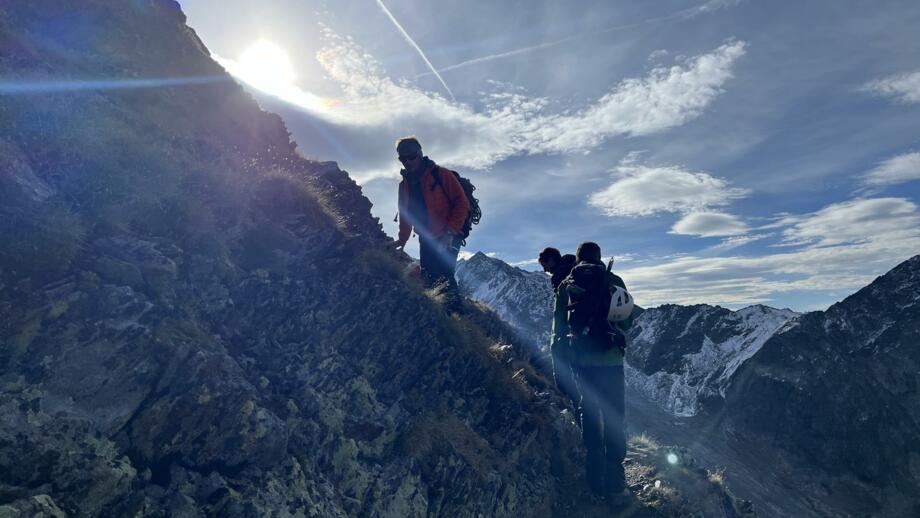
[589,303]
[475,213]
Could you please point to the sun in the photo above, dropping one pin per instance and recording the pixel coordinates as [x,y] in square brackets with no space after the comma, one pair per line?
[267,67]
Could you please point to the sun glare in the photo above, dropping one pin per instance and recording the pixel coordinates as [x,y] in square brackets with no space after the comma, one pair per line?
[267,67]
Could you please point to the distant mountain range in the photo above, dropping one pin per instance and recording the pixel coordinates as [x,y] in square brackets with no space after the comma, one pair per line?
[679,356]
[834,394]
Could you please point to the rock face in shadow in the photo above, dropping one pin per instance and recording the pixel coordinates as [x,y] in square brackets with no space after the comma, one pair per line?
[195,320]
[840,390]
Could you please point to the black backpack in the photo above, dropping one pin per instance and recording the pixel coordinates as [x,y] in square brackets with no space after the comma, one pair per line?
[475,213]
[589,303]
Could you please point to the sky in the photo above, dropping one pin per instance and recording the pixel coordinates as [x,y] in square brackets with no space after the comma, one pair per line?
[729,152]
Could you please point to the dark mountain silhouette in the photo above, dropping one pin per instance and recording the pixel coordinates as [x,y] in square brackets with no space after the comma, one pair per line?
[839,391]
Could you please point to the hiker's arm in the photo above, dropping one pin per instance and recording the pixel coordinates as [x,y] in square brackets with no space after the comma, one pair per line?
[405,228]
[460,206]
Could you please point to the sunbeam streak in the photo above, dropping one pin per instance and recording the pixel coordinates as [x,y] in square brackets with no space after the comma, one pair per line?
[42,87]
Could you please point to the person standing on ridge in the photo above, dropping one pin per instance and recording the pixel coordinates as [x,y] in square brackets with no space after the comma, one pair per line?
[559,266]
[434,204]
[598,349]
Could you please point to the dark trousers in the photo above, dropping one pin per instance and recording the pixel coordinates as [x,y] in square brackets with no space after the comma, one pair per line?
[564,376]
[438,263]
[603,426]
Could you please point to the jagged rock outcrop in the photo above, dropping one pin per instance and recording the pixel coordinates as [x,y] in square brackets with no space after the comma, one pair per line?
[522,299]
[839,391]
[195,320]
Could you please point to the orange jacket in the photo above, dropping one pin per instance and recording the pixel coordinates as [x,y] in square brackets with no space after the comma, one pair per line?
[447,204]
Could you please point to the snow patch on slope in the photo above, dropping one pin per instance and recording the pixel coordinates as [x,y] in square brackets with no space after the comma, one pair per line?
[706,373]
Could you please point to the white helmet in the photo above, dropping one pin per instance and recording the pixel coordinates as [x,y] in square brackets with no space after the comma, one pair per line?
[621,305]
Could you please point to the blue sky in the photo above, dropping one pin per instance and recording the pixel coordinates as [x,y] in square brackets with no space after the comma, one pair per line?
[726,152]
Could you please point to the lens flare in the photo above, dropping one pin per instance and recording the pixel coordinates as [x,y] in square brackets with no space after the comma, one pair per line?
[672,458]
[267,66]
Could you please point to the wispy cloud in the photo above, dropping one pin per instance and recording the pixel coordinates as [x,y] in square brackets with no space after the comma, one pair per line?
[904,88]
[733,242]
[841,247]
[643,191]
[854,221]
[415,46]
[709,224]
[512,123]
[711,6]
[895,170]
[526,264]
[707,7]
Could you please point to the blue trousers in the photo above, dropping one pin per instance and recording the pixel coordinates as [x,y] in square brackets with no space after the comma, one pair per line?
[603,426]
[438,262]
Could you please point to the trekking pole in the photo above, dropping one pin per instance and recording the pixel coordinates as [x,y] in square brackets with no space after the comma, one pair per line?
[610,264]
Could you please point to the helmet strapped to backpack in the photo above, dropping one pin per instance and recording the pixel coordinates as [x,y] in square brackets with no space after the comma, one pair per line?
[621,305]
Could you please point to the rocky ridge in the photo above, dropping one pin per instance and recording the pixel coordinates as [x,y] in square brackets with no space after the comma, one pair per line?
[197,321]
[839,391]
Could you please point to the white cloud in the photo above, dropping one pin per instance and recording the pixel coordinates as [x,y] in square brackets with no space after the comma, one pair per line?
[904,88]
[525,264]
[658,55]
[642,191]
[737,241]
[709,224]
[899,169]
[713,5]
[841,247]
[668,97]
[855,221]
[512,123]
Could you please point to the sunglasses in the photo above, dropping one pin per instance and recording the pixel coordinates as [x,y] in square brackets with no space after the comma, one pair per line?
[408,158]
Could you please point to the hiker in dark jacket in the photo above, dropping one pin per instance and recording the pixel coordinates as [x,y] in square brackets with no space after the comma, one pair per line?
[431,202]
[559,266]
[597,362]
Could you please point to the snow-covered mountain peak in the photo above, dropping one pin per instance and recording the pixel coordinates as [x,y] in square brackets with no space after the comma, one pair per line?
[521,298]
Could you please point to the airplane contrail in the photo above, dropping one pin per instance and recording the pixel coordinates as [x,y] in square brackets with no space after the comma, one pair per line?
[691,12]
[416,47]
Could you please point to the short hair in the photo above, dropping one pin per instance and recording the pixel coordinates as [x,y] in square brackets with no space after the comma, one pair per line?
[408,144]
[549,253]
[590,252]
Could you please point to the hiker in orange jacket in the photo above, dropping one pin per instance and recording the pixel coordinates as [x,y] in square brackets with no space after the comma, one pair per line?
[431,202]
